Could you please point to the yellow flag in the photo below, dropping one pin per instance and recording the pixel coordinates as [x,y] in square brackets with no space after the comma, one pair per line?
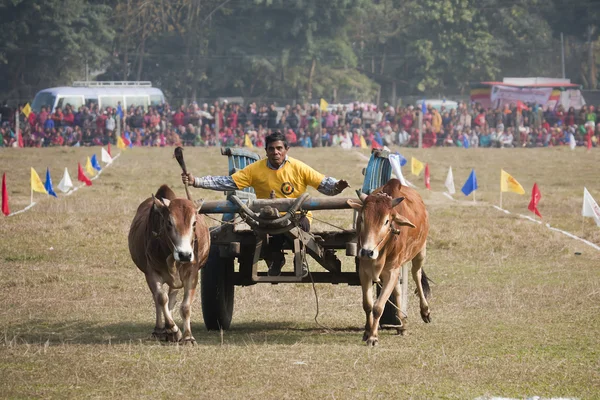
[247,141]
[509,184]
[416,166]
[89,169]
[363,143]
[36,182]
[27,110]
[324,105]
[121,143]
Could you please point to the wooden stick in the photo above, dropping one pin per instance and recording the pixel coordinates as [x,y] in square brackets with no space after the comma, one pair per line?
[179,157]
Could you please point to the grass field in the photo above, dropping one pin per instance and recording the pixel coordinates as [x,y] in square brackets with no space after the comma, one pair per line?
[515,311]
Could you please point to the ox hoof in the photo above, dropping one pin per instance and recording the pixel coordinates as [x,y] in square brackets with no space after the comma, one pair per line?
[159,334]
[372,342]
[365,336]
[173,335]
[400,331]
[188,341]
[426,317]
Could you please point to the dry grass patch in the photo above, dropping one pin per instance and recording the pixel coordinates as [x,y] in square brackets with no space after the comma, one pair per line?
[515,311]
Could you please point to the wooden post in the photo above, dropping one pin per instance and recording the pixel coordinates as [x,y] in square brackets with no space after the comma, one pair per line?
[420,129]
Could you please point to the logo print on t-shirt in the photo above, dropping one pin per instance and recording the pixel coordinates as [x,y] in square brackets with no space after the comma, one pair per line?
[287,188]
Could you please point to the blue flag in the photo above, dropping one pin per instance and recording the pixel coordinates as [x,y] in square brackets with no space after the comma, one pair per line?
[94,162]
[465,141]
[470,185]
[129,138]
[403,160]
[48,184]
[120,111]
[423,107]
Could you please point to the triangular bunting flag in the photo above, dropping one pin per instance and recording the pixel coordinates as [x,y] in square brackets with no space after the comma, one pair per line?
[108,151]
[26,110]
[20,139]
[65,183]
[95,164]
[363,143]
[88,167]
[427,177]
[535,199]
[247,141]
[36,182]
[48,184]
[120,143]
[81,176]
[105,157]
[470,185]
[572,142]
[395,162]
[590,207]
[324,105]
[509,184]
[127,140]
[416,166]
[450,182]
[5,209]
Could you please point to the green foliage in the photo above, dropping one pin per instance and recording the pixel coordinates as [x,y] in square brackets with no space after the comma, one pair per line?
[45,42]
[283,49]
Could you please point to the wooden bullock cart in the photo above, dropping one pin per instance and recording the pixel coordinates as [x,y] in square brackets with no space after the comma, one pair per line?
[248,223]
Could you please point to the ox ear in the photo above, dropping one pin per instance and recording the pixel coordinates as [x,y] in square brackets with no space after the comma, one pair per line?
[397,201]
[354,204]
[403,221]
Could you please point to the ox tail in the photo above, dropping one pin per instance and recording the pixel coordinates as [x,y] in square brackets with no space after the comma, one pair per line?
[425,284]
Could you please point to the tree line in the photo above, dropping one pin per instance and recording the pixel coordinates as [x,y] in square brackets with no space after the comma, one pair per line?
[295,49]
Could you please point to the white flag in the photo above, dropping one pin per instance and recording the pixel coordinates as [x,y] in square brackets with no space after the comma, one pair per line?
[395,162]
[572,142]
[450,182]
[65,183]
[106,158]
[590,207]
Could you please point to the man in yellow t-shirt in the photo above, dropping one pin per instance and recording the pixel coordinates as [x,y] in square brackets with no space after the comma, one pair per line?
[284,175]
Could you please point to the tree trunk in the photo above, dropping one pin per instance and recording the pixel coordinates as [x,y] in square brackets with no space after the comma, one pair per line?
[592,71]
[310,79]
[382,64]
[141,57]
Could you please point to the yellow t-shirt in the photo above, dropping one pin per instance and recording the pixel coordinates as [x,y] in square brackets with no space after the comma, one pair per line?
[289,181]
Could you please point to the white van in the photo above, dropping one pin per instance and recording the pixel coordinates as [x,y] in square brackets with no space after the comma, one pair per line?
[105,94]
[438,103]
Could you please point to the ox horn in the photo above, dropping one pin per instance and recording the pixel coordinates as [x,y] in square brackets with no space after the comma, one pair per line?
[397,201]
[361,196]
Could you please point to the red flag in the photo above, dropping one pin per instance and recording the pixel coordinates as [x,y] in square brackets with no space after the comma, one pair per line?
[109,150]
[5,209]
[20,139]
[81,176]
[589,138]
[535,199]
[427,179]
[125,140]
[521,106]
[375,145]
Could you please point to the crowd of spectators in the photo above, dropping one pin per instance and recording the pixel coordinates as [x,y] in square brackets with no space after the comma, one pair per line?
[225,124]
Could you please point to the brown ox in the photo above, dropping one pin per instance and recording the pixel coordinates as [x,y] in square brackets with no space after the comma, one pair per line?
[169,243]
[392,229]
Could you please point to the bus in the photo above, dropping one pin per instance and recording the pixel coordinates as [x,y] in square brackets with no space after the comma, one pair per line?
[105,94]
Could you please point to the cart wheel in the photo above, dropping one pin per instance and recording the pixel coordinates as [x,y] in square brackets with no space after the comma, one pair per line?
[217,290]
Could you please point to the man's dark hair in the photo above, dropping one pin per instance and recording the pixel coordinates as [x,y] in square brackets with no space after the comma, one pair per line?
[276,137]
